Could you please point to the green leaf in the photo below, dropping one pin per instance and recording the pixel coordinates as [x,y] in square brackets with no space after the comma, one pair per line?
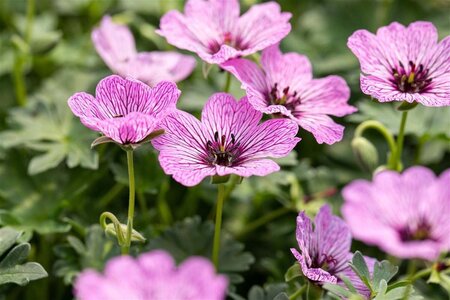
[359,265]
[293,272]
[16,256]
[269,292]
[192,237]
[381,290]
[337,290]
[8,237]
[348,283]
[46,125]
[383,270]
[22,274]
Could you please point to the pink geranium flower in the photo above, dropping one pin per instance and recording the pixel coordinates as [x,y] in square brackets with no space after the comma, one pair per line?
[285,86]
[228,140]
[404,63]
[152,276]
[325,250]
[115,45]
[406,215]
[125,110]
[214,30]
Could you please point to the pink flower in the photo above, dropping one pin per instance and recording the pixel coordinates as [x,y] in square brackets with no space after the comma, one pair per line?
[152,276]
[325,250]
[404,63]
[115,44]
[228,140]
[285,86]
[214,30]
[406,215]
[125,110]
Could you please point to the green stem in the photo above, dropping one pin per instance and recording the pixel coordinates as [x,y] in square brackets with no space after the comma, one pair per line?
[264,220]
[384,132]
[126,248]
[218,224]
[420,274]
[298,293]
[399,148]
[226,88]
[163,207]
[30,18]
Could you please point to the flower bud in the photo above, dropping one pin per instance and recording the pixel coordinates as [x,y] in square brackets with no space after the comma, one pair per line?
[135,235]
[366,154]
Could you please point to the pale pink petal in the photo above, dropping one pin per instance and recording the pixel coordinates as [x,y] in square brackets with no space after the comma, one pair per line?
[156,264]
[83,106]
[256,167]
[324,129]
[263,25]
[164,97]
[287,70]
[114,43]
[248,73]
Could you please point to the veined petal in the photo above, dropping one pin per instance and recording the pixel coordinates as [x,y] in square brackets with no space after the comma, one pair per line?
[226,116]
[114,43]
[324,129]
[255,167]
[248,73]
[305,240]
[263,25]
[313,274]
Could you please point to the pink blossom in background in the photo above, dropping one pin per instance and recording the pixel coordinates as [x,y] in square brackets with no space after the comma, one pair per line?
[325,250]
[227,140]
[285,86]
[115,45]
[214,30]
[152,276]
[125,110]
[406,215]
[404,63]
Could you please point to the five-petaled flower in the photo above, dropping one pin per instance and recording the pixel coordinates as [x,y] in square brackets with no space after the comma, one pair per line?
[285,86]
[115,44]
[125,110]
[214,30]
[152,276]
[325,250]
[228,140]
[404,63]
[406,215]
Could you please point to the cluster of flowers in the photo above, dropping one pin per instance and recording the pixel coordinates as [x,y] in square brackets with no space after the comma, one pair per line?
[396,211]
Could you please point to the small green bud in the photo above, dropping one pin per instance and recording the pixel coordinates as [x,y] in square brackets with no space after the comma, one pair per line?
[135,235]
[366,154]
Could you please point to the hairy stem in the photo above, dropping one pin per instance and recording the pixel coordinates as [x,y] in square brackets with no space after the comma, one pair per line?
[218,224]
[126,247]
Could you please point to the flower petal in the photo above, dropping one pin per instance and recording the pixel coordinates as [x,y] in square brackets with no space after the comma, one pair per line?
[114,43]
[324,129]
[263,25]
[156,263]
[248,73]
[314,274]
[83,106]
[256,167]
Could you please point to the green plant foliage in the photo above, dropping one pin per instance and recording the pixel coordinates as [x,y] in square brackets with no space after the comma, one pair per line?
[12,268]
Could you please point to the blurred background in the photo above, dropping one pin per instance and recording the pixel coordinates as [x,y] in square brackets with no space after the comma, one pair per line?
[53,187]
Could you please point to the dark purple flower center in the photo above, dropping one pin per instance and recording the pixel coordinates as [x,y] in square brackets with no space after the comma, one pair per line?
[420,232]
[227,39]
[286,98]
[324,262]
[415,80]
[222,152]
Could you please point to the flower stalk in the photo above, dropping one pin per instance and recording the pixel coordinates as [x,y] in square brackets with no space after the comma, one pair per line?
[227,85]
[400,139]
[218,224]
[131,200]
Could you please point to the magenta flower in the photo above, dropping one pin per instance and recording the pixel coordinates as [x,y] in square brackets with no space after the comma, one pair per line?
[325,250]
[125,110]
[406,215]
[214,30]
[228,140]
[115,44]
[285,86]
[152,276]
[404,63]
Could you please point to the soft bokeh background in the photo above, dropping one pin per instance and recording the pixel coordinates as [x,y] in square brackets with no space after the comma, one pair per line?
[53,187]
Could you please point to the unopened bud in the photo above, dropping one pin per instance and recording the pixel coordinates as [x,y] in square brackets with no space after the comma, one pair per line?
[366,154]
[135,235]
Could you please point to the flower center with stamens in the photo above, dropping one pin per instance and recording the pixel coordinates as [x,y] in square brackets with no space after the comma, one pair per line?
[324,262]
[222,152]
[414,80]
[227,39]
[285,98]
[420,233]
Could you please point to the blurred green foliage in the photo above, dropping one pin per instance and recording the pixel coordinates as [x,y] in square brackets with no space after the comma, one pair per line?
[53,187]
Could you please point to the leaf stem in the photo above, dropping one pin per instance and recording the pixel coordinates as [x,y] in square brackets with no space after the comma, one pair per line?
[131,200]
[218,224]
